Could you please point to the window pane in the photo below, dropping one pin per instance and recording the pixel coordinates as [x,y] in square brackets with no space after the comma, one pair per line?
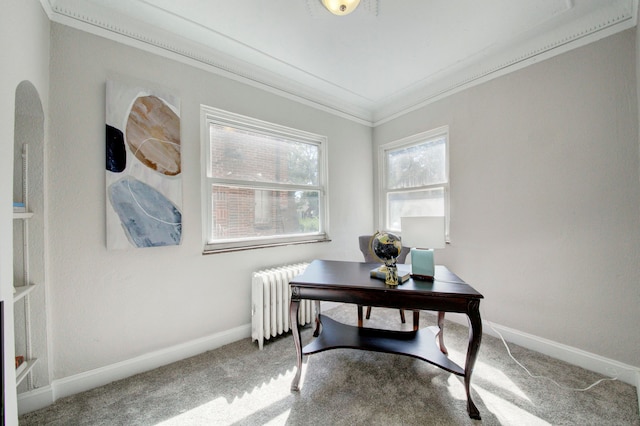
[414,203]
[239,154]
[416,165]
[239,213]
[263,206]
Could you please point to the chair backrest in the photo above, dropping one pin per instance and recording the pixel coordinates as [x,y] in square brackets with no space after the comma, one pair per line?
[365,247]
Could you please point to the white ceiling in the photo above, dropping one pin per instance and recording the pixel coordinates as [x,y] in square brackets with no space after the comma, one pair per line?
[387,57]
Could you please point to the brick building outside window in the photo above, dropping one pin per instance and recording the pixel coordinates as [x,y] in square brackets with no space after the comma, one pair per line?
[264,183]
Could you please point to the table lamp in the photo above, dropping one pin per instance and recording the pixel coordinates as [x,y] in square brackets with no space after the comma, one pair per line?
[423,234]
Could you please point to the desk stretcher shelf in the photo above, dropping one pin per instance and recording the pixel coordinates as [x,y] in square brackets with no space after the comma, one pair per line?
[419,344]
[350,282]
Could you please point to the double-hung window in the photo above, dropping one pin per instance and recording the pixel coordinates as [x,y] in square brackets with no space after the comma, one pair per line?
[415,178]
[264,184]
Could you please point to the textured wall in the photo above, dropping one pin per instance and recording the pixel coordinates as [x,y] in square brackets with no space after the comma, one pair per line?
[110,306]
[545,195]
[24,56]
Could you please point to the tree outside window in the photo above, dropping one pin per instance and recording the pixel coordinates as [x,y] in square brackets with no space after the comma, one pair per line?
[415,178]
[266,183]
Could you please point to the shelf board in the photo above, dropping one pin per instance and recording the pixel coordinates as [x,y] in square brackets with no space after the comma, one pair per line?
[22,215]
[30,364]
[23,291]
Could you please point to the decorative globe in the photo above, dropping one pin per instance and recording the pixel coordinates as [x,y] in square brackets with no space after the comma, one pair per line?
[386,246]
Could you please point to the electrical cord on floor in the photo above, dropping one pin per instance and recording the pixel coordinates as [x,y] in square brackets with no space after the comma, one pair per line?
[504,342]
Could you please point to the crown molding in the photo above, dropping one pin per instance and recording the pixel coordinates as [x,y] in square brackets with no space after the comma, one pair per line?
[298,85]
[139,35]
[507,59]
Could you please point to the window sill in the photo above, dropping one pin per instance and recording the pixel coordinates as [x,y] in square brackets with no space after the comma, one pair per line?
[207,251]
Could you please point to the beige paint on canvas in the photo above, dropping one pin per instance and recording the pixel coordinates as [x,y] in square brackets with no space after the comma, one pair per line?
[153,135]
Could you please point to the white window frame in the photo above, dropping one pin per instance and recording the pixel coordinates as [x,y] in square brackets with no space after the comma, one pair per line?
[210,115]
[417,139]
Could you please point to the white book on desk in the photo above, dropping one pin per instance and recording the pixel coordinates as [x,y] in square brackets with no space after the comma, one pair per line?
[404,272]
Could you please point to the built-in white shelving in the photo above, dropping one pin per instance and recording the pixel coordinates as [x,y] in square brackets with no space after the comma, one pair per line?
[22,289]
[22,215]
[30,363]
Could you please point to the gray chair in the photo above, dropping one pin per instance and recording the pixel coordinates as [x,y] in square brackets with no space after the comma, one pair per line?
[365,248]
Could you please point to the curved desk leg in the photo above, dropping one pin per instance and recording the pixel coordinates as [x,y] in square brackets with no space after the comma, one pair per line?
[293,317]
[475,336]
[443,349]
[316,332]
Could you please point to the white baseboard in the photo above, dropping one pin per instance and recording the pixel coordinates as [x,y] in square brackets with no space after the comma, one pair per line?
[42,397]
[592,362]
[35,399]
[47,395]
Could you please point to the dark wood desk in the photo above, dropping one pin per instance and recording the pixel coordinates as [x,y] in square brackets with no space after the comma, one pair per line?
[350,282]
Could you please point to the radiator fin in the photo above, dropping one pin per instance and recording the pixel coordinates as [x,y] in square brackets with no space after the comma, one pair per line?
[271,296]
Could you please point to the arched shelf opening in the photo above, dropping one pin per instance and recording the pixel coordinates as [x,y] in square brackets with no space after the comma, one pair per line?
[29,310]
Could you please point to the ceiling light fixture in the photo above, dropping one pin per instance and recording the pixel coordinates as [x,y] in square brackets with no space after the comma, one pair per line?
[341,7]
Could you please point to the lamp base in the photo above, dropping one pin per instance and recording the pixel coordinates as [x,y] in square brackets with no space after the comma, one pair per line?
[422,277]
[422,265]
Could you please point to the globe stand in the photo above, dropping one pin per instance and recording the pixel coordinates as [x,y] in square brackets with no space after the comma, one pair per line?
[386,247]
[391,274]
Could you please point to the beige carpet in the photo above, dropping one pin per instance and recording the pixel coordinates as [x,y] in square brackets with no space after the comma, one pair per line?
[241,385]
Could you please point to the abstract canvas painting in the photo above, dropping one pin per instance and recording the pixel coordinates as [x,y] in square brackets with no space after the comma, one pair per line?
[143,166]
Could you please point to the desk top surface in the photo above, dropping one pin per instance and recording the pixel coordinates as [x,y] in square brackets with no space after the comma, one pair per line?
[356,275]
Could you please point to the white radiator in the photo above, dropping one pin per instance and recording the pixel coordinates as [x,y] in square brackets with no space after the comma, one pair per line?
[270,299]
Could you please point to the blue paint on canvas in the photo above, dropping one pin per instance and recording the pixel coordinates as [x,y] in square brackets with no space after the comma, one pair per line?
[148,218]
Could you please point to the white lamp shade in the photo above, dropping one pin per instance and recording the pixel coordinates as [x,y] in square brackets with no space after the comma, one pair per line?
[423,232]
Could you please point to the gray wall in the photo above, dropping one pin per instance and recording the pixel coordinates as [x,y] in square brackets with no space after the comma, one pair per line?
[111,306]
[24,57]
[545,195]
